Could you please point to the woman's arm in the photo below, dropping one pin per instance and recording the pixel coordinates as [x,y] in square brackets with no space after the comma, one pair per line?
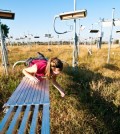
[56,85]
[30,72]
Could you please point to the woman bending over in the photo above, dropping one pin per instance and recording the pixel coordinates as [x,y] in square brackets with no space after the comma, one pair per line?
[45,69]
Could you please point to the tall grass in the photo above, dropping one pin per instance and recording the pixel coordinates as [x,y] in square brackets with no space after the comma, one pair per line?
[92,101]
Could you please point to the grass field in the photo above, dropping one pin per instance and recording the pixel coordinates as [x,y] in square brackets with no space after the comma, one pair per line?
[92,101]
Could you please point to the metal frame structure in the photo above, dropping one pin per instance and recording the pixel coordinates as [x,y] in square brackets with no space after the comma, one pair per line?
[5,14]
[48,36]
[72,15]
[3,51]
[101,34]
[26,98]
[119,38]
[110,23]
[110,39]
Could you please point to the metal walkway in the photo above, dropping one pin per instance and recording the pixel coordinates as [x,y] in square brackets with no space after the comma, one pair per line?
[24,107]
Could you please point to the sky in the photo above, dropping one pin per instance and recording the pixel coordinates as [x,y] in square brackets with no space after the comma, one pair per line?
[36,17]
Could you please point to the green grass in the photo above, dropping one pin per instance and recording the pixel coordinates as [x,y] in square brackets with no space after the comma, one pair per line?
[92,101]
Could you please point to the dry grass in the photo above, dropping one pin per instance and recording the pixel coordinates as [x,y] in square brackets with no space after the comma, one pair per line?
[92,101]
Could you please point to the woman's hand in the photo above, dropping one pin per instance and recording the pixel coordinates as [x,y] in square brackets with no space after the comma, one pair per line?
[59,88]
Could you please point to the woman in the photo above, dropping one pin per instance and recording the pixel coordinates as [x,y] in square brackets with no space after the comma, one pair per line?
[45,69]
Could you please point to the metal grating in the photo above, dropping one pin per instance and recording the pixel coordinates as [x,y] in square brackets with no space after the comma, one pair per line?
[24,108]
[20,120]
[29,93]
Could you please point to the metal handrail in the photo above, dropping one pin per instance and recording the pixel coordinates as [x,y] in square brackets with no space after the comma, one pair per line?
[57,16]
[22,61]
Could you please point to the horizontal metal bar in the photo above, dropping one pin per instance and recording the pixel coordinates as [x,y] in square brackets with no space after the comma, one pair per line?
[28,104]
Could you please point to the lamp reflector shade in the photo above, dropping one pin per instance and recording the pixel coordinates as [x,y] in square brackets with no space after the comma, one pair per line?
[6,15]
[73,15]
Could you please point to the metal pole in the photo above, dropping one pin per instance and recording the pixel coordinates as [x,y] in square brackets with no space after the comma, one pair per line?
[79,38]
[91,40]
[58,43]
[3,51]
[75,50]
[110,40]
[48,41]
[119,42]
[100,38]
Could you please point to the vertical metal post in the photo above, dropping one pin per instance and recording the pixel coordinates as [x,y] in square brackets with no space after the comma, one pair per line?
[58,43]
[100,38]
[28,40]
[48,41]
[119,42]
[75,49]
[79,38]
[3,51]
[91,40]
[110,40]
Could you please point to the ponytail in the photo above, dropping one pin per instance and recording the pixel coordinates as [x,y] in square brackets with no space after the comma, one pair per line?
[48,69]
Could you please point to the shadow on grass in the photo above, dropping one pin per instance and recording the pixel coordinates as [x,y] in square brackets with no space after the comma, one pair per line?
[105,111]
[111,67]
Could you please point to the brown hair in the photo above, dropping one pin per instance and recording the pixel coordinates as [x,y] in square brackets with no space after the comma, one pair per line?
[53,62]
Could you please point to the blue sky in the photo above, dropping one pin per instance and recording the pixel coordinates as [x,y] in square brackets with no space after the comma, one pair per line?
[36,16]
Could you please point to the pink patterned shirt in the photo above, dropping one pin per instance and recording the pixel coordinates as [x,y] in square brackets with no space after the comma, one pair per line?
[41,66]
